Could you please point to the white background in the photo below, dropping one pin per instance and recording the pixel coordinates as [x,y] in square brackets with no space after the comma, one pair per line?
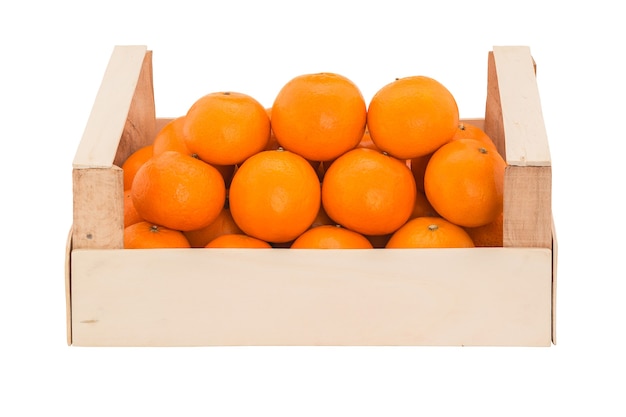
[52,58]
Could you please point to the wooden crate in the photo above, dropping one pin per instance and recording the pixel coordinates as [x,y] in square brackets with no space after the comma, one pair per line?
[195,297]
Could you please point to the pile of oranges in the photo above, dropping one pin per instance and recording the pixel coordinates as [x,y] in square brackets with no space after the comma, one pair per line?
[320,168]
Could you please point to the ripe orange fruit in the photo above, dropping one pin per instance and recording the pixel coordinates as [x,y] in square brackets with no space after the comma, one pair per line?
[132,164]
[178,191]
[237,240]
[130,212]
[368,192]
[171,138]
[467,130]
[430,232]
[275,196]
[491,234]
[331,237]
[226,128]
[146,235]
[464,182]
[412,116]
[319,116]
[222,225]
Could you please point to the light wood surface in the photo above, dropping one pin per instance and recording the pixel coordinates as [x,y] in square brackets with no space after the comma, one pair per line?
[98,209]
[486,296]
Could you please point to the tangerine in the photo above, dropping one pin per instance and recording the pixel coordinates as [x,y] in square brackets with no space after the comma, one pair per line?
[146,235]
[222,225]
[178,191]
[331,237]
[237,240]
[132,164]
[489,235]
[226,128]
[319,116]
[171,138]
[464,182]
[275,196]
[430,232]
[412,116]
[368,192]
[467,130]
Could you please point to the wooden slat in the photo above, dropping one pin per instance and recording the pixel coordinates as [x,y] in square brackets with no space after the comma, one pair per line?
[493,125]
[98,220]
[204,297]
[98,146]
[140,126]
[527,207]
[522,117]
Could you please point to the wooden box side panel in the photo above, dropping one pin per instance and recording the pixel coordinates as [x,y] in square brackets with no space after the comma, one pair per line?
[170,297]
[514,120]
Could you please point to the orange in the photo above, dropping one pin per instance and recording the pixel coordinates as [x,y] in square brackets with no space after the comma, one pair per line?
[178,191]
[491,234]
[146,235]
[466,130]
[331,237]
[130,212]
[132,164]
[412,116]
[170,138]
[368,192]
[222,225]
[237,240]
[464,182]
[430,232]
[226,128]
[275,196]
[319,116]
